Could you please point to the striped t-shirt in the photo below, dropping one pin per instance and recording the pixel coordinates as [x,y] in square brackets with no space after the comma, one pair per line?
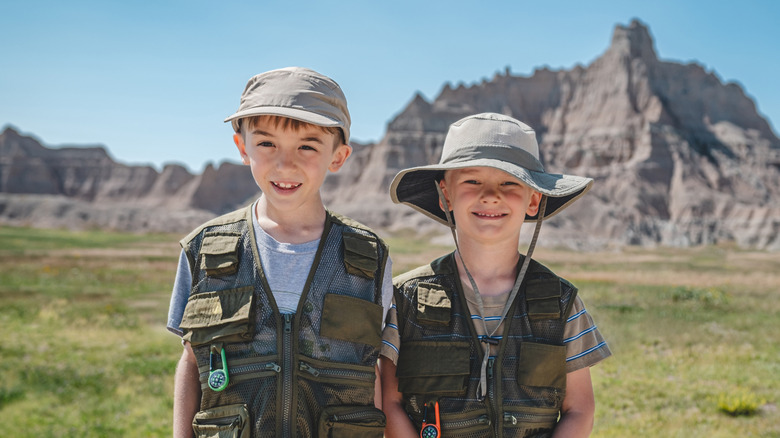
[584,344]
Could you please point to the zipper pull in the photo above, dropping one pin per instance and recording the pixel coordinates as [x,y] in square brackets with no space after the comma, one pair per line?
[287,323]
[305,367]
[490,364]
[509,418]
[273,366]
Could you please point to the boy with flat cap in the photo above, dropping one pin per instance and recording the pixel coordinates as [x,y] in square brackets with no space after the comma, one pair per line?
[486,342]
[280,304]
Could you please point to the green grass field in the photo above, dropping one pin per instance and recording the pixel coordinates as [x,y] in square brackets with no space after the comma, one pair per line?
[84,350]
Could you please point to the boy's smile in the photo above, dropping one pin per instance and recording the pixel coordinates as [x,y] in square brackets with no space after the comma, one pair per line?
[488,204]
[289,165]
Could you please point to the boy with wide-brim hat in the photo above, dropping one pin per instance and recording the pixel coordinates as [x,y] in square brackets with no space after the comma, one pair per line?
[485,339]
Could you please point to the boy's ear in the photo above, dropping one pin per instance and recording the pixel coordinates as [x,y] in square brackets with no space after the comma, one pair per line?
[340,155]
[443,186]
[533,207]
[238,139]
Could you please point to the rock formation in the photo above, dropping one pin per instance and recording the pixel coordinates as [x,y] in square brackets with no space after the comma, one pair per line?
[76,187]
[679,157]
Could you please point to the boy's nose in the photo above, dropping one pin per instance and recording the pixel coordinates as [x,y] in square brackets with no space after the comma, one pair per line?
[490,194]
[284,160]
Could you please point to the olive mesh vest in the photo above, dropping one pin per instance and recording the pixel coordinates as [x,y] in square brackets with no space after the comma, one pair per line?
[440,355]
[291,375]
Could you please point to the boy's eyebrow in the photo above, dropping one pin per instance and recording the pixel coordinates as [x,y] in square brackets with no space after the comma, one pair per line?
[314,139]
[309,138]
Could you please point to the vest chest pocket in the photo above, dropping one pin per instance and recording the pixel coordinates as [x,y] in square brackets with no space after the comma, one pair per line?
[351,319]
[361,255]
[433,367]
[542,365]
[543,297]
[220,315]
[219,253]
[433,304]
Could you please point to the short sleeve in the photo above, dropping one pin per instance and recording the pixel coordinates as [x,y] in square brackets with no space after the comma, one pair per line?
[391,340]
[180,294]
[585,346]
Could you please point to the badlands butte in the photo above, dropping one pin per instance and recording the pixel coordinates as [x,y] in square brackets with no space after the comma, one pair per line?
[679,159]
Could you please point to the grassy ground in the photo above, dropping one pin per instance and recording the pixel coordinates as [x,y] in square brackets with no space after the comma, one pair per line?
[84,351]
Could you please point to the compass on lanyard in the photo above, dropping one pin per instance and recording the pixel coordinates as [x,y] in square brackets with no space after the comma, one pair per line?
[431,430]
[218,379]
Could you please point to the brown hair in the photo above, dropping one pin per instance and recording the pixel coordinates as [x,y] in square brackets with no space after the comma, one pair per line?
[287,123]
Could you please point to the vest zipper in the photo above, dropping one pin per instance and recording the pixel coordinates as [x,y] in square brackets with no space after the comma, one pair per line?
[351,416]
[512,418]
[469,422]
[287,376]
[338,373]
[270,366]
[491,392]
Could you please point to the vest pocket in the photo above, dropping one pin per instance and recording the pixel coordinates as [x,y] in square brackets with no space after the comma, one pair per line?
[230,421]
[351,421]
[433,304]
[351,319]
[432,367]
[219,255]
[220,315]
[543,297]
[542,365]
[530,421]
[361,255]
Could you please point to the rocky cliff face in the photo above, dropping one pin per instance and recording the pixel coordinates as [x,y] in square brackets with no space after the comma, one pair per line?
[83,187]
[679,157]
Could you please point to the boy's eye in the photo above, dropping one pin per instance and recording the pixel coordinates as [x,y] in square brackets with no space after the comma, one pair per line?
[510,183]
[471,181]
[308,148]
[266,144]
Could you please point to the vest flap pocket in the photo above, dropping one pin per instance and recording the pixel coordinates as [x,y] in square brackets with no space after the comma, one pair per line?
[426,367]
[219,252]
[542,365]
[544,297]
[433,304]
[223,421]
[351,421]
[360,254]
[223,315]
[351,319]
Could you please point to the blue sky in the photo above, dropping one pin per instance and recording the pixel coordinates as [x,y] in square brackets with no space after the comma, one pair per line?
[153,80]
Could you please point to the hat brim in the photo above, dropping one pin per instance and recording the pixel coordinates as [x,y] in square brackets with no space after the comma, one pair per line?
[416,188]
[293,113]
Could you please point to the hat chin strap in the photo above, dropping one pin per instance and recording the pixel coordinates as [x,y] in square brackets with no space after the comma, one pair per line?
[482,388]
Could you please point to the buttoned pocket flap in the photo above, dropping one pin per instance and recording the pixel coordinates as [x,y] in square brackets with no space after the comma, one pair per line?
[544,298]
[433,304]
[219,252]
[230,421]
[219,315]
[361,255]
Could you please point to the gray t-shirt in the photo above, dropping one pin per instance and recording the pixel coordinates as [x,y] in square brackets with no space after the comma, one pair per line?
[286,267]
